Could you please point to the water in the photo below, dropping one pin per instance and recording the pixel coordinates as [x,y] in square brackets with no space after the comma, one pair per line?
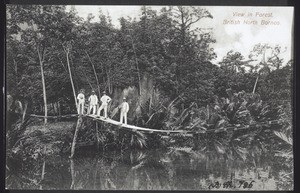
[169,169]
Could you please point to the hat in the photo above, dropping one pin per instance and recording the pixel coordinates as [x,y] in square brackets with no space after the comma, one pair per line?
[93,91]
[124,98]
[104,92]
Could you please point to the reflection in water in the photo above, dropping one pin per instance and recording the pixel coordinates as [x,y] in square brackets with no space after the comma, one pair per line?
[72,173]
[171,169]
[43,174]
[167,170]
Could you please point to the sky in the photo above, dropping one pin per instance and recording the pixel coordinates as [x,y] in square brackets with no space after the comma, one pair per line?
[231,29]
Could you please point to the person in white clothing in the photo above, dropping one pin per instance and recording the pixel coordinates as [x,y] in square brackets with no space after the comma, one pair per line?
[93,100]
[124,110]
[80,102]
[105,100]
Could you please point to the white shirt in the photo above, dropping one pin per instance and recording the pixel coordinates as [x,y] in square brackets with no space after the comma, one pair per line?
[93,99]
[105,99]
[124,107]
[81,98]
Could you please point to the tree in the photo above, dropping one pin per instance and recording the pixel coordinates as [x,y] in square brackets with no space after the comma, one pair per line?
[67,48]
[185,17]
[136,61]
[233,61]
[268,57]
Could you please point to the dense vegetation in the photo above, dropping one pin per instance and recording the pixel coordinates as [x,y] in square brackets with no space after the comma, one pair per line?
[162,63]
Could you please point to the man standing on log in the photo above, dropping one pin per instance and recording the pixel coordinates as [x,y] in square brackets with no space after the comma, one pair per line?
[93,100]
[105,100]
[124,110]
[80,103]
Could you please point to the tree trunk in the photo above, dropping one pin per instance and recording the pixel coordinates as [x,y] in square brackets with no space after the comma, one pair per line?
[56,108]
[84,73]
[137,65]
[108,80]
[44,95]
[150,101]
[110,90]
[24,111]
[41,60]
[98,86]
[71,79]
[254,88]
[59,109]
[182,30]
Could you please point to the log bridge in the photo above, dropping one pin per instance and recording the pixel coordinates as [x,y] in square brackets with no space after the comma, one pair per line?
[149,130]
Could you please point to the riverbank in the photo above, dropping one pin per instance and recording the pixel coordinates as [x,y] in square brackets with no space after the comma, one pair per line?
[38,140]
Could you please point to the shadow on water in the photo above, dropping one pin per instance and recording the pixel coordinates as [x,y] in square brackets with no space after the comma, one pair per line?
[170,169]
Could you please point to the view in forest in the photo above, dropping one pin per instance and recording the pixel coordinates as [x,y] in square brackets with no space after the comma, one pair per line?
[211,85]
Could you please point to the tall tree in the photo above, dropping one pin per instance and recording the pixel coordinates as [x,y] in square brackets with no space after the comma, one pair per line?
[67,49]
[185,17]
[267,56]
[233,61]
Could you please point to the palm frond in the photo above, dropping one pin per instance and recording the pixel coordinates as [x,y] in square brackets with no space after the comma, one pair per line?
[284,137]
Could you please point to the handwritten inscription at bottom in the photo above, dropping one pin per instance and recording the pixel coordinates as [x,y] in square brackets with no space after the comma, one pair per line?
[229,185]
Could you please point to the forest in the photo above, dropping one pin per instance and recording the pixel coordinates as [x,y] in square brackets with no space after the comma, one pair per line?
[162,63]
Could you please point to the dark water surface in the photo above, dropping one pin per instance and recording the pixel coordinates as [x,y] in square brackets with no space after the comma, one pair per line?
[170,169]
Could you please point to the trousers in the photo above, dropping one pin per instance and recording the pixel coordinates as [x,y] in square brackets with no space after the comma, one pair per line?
[80,108]
[123,115]
[101,108]
[94,107]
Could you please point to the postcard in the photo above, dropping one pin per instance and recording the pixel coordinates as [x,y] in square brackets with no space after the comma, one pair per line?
[148,97]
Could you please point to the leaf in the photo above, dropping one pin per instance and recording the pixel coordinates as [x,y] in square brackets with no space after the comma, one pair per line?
[221,123]
[283,136]
[285,154]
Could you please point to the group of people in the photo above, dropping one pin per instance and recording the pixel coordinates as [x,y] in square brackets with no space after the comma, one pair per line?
[105,100]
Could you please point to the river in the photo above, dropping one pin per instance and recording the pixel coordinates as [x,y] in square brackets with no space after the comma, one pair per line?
[164,169]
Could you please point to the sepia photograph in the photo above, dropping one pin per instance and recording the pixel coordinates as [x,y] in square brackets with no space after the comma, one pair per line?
[141,97]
